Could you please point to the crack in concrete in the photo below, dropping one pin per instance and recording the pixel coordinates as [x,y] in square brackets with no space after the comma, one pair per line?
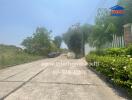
[66,83]
[14,74]
[22,84]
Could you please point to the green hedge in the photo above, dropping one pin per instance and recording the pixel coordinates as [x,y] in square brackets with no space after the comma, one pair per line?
[117,69]
[114,51]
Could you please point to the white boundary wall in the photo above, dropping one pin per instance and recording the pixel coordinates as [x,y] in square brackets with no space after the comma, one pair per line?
[88,48]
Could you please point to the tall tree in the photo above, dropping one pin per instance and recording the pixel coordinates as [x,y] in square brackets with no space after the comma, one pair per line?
[75,43]
[81,32]
[58,41]
[39,43]
[102,30]
[73,39]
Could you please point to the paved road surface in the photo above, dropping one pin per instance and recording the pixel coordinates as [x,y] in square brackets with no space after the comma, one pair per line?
[53,79]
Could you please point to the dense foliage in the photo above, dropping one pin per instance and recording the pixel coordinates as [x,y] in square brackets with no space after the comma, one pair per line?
[41,43]
[101,33]
[76,37]
[107,25]
[114,51]
[114,63]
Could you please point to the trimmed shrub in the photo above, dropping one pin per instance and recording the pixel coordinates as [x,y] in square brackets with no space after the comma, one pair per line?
[117,69]
[98,52]
[116,51]
[129,50]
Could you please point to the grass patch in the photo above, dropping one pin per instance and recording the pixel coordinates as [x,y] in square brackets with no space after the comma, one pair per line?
[11,55]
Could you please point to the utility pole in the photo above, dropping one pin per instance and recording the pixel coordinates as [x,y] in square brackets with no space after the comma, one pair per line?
[83,44]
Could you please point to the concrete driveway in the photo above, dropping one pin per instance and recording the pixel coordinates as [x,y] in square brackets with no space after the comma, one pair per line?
[54,79]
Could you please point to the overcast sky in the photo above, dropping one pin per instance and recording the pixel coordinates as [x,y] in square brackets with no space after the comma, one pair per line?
[19,18]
